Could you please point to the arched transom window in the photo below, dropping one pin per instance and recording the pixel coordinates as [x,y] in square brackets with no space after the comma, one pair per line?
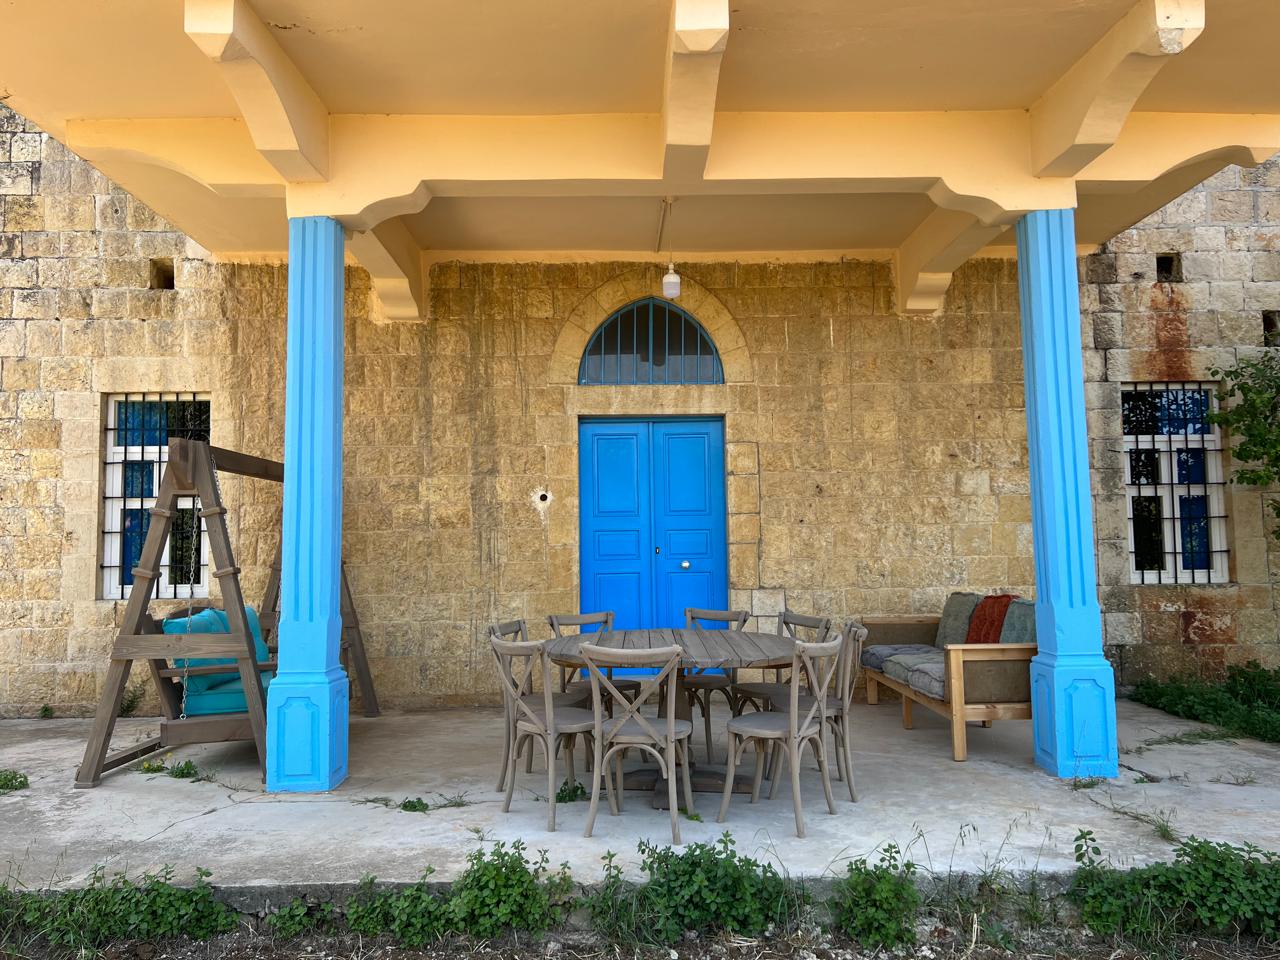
[650,341]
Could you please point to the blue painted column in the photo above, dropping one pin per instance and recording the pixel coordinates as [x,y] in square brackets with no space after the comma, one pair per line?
[308,701]
[1072,686]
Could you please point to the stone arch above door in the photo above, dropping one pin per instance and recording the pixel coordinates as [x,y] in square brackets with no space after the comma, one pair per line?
[646,281]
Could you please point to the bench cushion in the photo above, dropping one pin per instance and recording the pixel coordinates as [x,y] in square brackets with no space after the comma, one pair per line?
[988,618]
[923,672]
[1019,623]
[954,625]
[874,657]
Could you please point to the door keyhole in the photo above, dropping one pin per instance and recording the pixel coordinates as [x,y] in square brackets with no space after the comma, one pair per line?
[657,549]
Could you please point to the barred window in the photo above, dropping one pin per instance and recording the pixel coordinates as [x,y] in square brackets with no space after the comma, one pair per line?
[138,429]
[650,341]
[1174,481]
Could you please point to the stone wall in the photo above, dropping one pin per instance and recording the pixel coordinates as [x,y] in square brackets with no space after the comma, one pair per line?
[876,461]
[1227,231]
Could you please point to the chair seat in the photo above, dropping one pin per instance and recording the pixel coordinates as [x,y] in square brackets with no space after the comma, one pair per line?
[769,724]
[632,731]
[805,701]
[625,687]
[570,698]
[568,719]
[706,681]
[761,691]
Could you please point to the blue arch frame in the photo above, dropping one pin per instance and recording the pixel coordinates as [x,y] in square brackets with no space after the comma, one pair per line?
[650,341]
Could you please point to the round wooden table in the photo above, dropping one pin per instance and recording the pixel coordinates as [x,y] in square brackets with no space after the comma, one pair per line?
[703,649]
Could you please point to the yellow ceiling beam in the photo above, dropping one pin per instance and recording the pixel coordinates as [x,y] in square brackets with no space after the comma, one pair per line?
[699,32]
[394,262]
[925,262]
[1082,114]
[287,120]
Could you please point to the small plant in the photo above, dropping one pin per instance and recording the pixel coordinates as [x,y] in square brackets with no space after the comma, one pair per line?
[452,800]
[152,765]
[876,904]
[1237,778]
[120,908]
[1210,887]
[1252,390]
[132,699]
[184,770]
[46,712]
[414,805]
[1086,783]
[705,888]
[298,918]
[11,780]
[502,890]
[414,916]
[693,815]
[571,792]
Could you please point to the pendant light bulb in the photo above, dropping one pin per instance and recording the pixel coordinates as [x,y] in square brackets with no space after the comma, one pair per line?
[671,283]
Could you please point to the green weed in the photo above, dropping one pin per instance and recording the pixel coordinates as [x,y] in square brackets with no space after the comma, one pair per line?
[876,904]
[11,780]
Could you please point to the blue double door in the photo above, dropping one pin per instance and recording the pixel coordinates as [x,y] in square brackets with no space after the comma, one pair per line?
[653,526]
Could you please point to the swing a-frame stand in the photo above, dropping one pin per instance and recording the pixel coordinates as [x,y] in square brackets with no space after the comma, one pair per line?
[192,471]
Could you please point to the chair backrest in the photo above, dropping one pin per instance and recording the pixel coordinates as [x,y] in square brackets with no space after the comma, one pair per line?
[732,619]
[813,665]
[855,635]
[790,623]
[517,662]
[559,621]
[517,631]
[600,663]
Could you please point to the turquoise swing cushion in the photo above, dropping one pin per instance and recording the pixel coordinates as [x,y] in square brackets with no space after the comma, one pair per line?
[218,692]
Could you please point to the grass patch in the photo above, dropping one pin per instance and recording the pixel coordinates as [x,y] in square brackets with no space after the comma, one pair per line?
[11,780]
[1086,783]
[418,805]
[1246,703]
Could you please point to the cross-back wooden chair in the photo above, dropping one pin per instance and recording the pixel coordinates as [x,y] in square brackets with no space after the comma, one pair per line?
[604,620]
[789,731]
[698,684]
[761,694]
[517,631]
[532,717]
[664,737]
[840,701]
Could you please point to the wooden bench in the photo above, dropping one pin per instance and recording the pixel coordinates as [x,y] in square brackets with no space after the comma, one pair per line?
[983,681]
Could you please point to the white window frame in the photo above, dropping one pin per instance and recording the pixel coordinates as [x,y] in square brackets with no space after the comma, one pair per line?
[114,503]
[1213,489]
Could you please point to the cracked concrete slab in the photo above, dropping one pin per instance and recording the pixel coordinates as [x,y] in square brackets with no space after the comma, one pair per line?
[996,810]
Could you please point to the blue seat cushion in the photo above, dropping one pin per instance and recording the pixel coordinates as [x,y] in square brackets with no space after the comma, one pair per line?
[874,656]
[227,697]
[899,667]
[212,620]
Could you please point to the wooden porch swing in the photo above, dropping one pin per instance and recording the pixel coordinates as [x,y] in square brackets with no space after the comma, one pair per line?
[192,471]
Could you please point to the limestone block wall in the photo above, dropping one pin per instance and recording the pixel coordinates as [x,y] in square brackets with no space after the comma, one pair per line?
[1227,231]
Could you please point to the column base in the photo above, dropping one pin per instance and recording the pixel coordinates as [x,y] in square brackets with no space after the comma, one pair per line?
[1073,708]
[307,731]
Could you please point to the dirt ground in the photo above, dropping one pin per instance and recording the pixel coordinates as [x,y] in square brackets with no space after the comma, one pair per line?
[941,944]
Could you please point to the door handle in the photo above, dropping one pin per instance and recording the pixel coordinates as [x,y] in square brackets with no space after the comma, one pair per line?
[684,564]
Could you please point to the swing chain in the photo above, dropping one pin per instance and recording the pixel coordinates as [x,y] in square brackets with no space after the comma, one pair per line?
[192,559]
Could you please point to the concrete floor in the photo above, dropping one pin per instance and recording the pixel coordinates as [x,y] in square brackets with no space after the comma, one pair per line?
[996,810]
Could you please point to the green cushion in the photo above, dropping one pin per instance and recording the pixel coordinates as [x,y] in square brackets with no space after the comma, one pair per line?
[956,613]
[1019,623]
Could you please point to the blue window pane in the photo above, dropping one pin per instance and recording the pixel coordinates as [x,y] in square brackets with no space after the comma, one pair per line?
[1184,411]
[139,478]
[133,530]
[1194,513]
[1190,466]
[152,422]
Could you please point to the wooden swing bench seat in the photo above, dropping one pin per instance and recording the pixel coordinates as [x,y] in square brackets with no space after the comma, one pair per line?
[211,682]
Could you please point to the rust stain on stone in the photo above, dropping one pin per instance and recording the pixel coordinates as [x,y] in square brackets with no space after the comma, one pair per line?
[1172,357]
